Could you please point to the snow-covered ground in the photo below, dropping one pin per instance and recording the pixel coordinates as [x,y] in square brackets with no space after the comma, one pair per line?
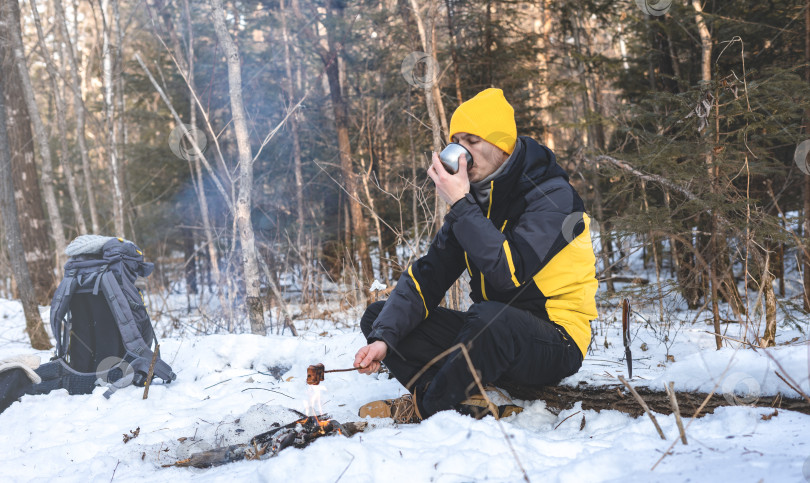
[223,379]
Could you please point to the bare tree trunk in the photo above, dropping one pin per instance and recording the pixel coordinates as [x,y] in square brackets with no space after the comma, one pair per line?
[328,54]
[32,221]
[213,251]
[415,197]
[61,123]
[426,28]
[12,13]
[706,78]
[244,200]
[435,107]
[807,176]
[596,138]
[543,28]
[655,254]
[359,224]
[674,60]
[674,261]
[769,337]
[437,94]
[78,106]
[186,62]
[120,132]
[705,43]
[13,237]
[299,178]
[109,109]
[450,4]
[190,262]
[378,228]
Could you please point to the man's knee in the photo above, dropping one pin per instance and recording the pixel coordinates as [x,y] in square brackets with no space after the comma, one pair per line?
[370,315]
[483,314]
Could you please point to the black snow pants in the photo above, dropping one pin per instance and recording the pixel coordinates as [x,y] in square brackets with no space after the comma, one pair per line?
[506,344]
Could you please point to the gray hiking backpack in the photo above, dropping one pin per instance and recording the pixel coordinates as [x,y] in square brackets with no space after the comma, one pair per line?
[99,320]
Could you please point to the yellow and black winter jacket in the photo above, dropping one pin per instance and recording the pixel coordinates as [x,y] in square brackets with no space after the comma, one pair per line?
[529,247]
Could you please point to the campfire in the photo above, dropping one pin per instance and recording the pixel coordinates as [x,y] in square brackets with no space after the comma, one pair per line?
[298,434]
[302,432]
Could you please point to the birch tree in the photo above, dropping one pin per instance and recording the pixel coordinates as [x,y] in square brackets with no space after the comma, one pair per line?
[438,120]
[706,79]
[244,200]
[11,12]
[109,110]
[80,112]
[61,122]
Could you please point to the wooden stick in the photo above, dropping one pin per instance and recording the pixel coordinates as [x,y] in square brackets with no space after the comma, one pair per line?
[644,406]
[699,409]
[786,382]
[674,400]
[151,372]
[566,419]
[795,384]
[344,370]
[752,346]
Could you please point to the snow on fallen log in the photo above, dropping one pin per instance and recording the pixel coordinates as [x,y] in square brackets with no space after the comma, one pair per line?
[617,397]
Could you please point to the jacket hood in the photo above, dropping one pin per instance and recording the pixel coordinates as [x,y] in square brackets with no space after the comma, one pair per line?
[532,165]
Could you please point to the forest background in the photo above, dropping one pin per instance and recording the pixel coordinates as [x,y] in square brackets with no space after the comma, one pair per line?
[263,153]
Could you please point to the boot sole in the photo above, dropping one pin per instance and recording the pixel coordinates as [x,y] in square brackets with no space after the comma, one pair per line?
[376,409]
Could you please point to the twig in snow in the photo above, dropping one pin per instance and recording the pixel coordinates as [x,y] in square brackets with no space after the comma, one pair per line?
[644,406]
[566,419]
[752,346]
[151,373]
[116,467]
[265,389]
[232,378]
[796,385]
[786,382]
[346,468]
[674,401]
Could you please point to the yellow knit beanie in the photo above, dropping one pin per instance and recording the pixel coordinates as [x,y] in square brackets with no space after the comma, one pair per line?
[489,116]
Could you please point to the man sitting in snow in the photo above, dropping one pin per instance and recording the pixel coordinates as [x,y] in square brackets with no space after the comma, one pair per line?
[519,229]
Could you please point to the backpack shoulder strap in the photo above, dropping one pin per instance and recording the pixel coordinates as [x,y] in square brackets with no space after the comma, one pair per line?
[139,355]
[60,304]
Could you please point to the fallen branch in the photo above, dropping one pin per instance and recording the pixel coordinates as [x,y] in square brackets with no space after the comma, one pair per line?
[643,405]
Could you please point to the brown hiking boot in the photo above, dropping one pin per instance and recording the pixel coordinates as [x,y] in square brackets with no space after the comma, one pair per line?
[402,410]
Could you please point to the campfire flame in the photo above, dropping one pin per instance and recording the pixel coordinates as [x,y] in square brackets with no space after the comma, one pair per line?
[314,406]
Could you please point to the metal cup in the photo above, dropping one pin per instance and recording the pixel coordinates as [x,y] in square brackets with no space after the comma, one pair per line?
[449,157]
